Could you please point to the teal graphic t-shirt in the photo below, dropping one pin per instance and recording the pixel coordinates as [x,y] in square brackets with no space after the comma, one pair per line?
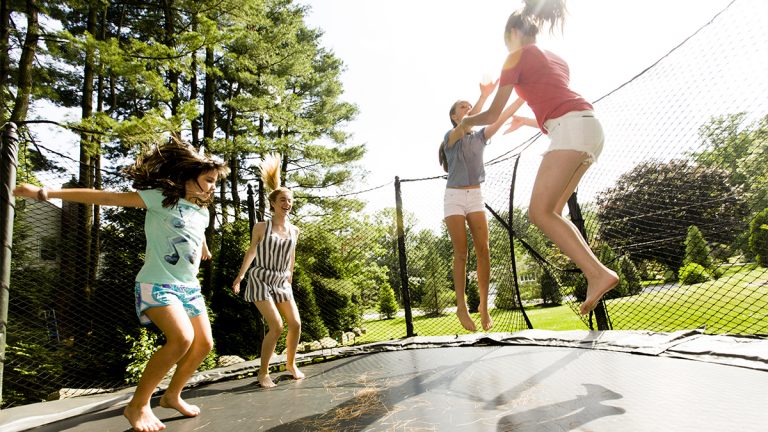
[174,240]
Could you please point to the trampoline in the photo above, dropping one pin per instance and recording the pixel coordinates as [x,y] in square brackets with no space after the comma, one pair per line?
[526,381]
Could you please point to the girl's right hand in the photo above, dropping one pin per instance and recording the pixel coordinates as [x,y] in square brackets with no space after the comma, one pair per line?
[236,284]
[486,88]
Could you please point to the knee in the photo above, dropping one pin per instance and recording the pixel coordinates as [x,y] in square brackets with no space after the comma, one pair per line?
[205,343]
[294,325]
[181,342]
[483,249]
[276,330]
[460,255]
[537,215]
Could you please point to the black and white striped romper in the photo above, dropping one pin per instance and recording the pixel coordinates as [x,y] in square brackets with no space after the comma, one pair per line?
[268,277]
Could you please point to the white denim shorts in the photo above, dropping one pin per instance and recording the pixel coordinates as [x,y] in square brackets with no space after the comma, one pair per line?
[577,130]
[463,201]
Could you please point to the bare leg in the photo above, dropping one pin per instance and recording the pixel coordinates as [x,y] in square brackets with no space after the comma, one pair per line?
[478,227]
[456,231]
[291,313]
[179,334]
[275,324]
[558,176]
[201,346]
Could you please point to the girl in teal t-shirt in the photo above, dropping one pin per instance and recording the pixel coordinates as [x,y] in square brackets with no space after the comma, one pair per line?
[175,184]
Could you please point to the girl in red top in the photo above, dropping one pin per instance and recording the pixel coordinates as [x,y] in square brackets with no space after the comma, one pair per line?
[540,78]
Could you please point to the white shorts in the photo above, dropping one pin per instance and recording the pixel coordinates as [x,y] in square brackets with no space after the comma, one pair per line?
[463,201]
[577,130]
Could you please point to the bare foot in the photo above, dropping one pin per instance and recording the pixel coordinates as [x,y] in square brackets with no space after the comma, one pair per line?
[142,419]
[485,318]
[179,405]
[265,381]
[294,370]
[464,318]
[597,290]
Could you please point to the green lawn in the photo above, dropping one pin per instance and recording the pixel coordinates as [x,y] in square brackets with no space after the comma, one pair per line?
[736,304]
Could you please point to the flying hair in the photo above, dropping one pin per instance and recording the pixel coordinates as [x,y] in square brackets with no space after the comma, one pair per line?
[169,166]
[270,171]
[270,175]
[535,14]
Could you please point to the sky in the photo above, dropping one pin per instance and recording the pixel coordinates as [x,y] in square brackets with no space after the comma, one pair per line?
[407,61]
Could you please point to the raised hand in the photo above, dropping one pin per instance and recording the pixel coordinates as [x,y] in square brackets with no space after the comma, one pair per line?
[486,88]
[515,124]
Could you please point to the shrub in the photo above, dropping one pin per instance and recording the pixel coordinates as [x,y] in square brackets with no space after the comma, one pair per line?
[696,249]
[550,291]
[693,273]
[630,276]
[387,303]
[473,295]
[758,237]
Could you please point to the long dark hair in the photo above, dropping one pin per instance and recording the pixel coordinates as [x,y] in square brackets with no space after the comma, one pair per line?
[442,159]
[534,14]
[168,167]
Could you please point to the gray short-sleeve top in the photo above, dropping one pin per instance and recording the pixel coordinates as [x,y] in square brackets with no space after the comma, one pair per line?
[465,159]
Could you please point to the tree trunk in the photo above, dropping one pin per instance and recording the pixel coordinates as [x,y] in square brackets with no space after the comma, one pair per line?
[5,35]
[21,104]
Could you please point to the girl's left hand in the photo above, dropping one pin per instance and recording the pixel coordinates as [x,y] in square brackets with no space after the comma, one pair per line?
[515,124]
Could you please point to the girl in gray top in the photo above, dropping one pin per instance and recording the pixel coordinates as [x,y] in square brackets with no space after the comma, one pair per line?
[461,155]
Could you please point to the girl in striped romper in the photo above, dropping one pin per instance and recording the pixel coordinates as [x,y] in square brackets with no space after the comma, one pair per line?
[273,254]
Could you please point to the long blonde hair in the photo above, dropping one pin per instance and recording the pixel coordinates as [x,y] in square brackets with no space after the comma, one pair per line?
[270,175]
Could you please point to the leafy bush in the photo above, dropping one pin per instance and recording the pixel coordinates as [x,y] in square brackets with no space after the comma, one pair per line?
[696,248]
[758,237]
[550,290]
[387,303]
[505,297]
[143,345]
[473,295]
[630,276]
[693,273]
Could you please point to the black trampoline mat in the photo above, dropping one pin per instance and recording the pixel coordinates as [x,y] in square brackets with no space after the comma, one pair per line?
[478,388]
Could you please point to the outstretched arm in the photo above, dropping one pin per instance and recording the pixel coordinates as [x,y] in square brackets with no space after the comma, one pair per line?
[493,112]
[256,235]
[494,127]
[83,196]
[519,121]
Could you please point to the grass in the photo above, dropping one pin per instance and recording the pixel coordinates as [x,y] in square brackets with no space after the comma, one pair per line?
[735,304]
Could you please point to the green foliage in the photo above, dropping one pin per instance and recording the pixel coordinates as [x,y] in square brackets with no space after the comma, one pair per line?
[696,248]
[741,149]
[142,346]
[505,297]
[238,328]
[338,309]
[669,196]
[550,290]
[437,294]
[387,304]
[473,294]
[693,273]
[758,237]
[312,326]
[630,280]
